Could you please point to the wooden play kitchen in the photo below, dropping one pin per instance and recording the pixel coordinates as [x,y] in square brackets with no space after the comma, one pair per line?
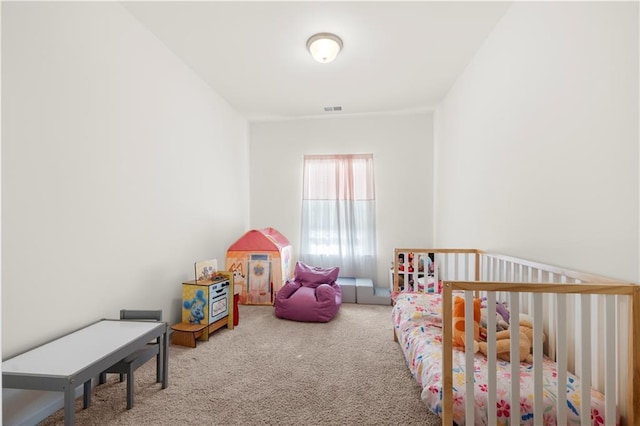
[207,305]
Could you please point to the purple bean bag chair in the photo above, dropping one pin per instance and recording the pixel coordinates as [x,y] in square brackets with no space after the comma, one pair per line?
[312,296]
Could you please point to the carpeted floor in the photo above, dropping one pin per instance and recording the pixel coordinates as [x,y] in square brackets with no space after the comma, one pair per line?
[269,371]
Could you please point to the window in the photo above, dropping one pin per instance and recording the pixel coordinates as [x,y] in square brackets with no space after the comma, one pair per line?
[338,214]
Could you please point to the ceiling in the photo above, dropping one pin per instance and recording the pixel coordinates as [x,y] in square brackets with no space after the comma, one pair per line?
[397,56]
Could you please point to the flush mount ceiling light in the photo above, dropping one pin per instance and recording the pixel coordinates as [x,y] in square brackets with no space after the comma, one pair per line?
[324,47]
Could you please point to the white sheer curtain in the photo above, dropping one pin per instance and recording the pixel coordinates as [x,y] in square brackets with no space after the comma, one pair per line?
[338,214]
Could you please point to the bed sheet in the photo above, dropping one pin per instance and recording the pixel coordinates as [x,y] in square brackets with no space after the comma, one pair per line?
[417,319]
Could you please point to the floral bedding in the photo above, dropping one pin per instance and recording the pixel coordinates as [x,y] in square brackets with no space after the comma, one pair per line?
[417,319]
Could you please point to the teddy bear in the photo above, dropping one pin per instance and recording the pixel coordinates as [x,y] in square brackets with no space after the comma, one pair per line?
[526,327]
[458,324]
[503,345]
[502,317]
[503,341]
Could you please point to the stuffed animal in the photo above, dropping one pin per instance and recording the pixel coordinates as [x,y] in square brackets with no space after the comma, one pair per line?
[501,323]
[503,345]
[458,324]
[502,310]
[526,327]
[502,313]
[503,342]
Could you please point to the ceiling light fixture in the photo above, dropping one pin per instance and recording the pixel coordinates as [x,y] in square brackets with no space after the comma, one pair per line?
[324,47]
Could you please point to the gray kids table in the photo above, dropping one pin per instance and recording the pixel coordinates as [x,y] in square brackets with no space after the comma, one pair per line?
[76,358]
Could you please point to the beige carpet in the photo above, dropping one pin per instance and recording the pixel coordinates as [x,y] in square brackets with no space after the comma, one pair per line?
[274,372]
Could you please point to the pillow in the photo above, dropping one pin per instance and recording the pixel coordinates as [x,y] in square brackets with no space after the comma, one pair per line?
[313,276]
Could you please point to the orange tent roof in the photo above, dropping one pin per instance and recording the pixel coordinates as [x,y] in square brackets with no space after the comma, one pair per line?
[267,239]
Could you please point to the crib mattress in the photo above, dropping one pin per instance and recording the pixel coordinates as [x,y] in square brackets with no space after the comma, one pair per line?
[417,319]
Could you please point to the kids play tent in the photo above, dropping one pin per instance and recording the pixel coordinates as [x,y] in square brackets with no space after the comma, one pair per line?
[261,263]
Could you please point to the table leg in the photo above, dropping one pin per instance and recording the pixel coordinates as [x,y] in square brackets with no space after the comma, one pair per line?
[69,405]
[159,361]
[87,394]
[130,381]
[165,358]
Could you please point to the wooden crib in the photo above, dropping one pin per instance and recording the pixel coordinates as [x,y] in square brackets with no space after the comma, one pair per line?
[589,323]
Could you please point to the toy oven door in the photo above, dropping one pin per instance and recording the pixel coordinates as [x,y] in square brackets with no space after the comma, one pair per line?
[218,307]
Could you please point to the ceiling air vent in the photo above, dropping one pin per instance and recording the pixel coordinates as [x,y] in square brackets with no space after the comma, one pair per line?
[333,108]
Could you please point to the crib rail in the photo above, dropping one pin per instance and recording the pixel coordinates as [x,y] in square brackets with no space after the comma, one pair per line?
[588,320]
[473,264]
[411,264]
[499,267]
[618,396]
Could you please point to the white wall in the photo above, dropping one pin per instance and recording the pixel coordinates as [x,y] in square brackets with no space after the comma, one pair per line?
[402,151]
[120,168]
[537,142]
